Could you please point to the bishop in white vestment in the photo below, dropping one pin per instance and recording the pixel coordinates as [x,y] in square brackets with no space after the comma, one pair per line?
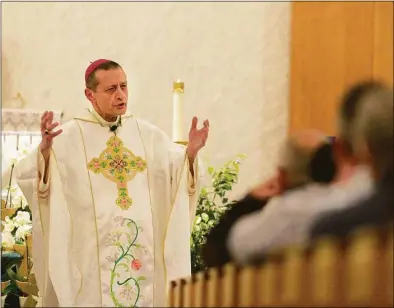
[112,228]
[112,225]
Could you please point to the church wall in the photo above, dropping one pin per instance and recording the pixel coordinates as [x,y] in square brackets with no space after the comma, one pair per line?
[233,58]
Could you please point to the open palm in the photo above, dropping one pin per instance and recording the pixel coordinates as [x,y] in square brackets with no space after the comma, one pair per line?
[197,137]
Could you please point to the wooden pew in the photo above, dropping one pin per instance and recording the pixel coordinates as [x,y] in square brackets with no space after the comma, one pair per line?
[353,272]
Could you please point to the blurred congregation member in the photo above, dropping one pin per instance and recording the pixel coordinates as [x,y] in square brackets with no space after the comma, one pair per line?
[374,146]
[296,169]
[288,219]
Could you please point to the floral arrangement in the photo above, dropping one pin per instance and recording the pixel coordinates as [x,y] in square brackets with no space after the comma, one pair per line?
[16,229]
[16,218]
[15,238]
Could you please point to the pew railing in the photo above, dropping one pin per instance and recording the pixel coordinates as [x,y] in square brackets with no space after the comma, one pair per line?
[356,271]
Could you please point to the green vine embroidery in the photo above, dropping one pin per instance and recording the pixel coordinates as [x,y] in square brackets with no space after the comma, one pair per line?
[125,292]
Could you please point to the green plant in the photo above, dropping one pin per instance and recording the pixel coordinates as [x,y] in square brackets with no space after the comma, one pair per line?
[212,203]
[10,261]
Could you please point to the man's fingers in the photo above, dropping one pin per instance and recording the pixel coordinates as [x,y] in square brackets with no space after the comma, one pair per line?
[44,115]
[206,123]
[205,130]
[44,120]
[57,133]
[194,122]
[50,118]
[52,126]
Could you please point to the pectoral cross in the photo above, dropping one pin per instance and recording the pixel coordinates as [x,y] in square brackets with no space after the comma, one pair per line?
[119,165]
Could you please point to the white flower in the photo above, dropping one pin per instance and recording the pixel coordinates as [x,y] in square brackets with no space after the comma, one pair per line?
[25,151]
[22,231]
[8,224]
[9,191]
[16,202]
[7,240]
[16,199]
[24,202]
[21,154]
[13,188]
[22,218]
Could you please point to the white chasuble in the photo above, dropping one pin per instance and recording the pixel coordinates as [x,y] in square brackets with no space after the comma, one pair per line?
[119,180]
[115,228]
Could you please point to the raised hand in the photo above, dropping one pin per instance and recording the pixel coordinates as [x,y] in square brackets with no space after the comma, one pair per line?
[197,137]
[46,131]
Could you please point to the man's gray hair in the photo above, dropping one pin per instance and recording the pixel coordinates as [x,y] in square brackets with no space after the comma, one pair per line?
[374,128]
[295,161]
[349,109]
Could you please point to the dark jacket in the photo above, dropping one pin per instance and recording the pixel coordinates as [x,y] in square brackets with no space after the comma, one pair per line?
[215,251]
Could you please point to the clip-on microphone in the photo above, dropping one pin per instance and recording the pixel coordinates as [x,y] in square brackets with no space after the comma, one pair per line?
[113,128]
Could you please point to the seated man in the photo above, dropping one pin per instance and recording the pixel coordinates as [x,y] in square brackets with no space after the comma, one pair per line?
[288,220]
[375,147]
[303,151]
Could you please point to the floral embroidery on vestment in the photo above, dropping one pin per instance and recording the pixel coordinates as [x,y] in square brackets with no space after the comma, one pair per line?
[125,282]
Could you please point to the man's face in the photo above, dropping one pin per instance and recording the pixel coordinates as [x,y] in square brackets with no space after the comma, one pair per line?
[343,154]
[110,97]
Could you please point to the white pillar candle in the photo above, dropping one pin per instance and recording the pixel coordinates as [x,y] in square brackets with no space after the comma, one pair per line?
[177,112]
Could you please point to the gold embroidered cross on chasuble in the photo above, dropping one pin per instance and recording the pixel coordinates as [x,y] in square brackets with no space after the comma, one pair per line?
[118,164]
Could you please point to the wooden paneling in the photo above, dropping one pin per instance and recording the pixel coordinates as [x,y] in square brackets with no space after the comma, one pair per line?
[333,45]
[383,42]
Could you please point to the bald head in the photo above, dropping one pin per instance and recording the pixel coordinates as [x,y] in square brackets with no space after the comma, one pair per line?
[308,140]
[297,155]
